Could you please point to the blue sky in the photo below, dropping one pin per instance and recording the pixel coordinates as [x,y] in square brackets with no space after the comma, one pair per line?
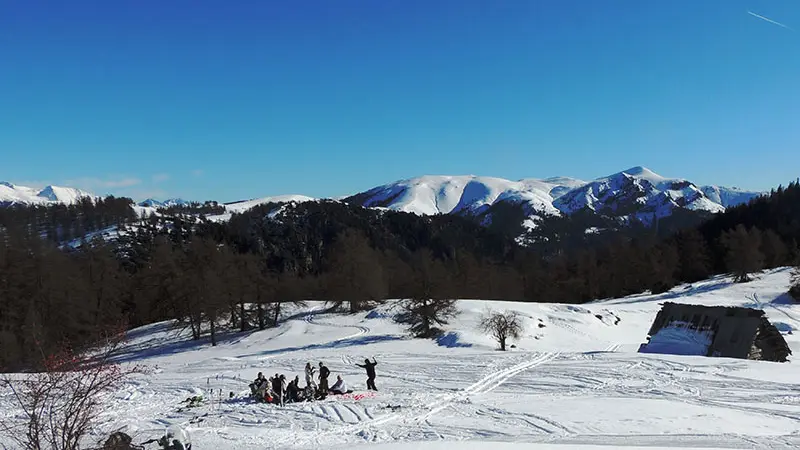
[231,100]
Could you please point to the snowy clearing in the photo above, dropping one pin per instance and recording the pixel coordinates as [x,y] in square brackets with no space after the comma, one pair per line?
[573,381]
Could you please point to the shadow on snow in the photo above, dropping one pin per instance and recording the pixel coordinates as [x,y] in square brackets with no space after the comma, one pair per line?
[348,342]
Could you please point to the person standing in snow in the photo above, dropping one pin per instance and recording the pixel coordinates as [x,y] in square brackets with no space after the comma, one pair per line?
[283,391]
[323,379]
[279,388]
[310,375]
[370,366]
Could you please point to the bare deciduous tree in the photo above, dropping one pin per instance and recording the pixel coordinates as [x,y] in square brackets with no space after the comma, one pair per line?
[356,274]
[743,254]
[502,326]
[60,403]
[429,306]
[794,289]
[425,316]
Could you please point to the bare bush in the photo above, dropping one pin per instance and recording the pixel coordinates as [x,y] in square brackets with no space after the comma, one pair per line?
[502,326]
[60,403]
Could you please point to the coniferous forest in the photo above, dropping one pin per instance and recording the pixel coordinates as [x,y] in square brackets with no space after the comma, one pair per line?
[67,273]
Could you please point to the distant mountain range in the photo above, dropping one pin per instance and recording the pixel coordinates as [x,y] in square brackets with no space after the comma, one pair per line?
[637,192]
[634,193]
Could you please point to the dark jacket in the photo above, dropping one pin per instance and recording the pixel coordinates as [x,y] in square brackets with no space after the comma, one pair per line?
[277,386]
[370,366]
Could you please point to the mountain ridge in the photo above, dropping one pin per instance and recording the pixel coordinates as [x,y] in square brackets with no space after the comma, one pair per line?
[50,194]
[637,192]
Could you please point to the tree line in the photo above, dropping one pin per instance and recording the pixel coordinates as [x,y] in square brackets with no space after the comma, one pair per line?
[239,275]
[207,208]
[60,222]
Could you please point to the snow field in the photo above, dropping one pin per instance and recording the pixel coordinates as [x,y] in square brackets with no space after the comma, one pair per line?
[576,381]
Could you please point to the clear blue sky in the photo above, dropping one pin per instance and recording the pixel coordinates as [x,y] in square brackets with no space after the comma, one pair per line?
[230,100]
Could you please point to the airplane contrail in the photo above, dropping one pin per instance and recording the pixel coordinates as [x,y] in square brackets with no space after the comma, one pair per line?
[768,20]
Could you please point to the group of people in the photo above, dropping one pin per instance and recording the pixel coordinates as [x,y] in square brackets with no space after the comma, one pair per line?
[275,389]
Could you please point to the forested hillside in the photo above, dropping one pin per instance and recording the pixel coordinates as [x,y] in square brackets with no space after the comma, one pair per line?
[238,273]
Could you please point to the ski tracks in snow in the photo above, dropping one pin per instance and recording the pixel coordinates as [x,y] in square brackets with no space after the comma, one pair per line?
[612,348]
[370,428]
[486,384]
[311,318]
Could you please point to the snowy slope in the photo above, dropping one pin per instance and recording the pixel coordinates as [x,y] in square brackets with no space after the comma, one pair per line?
[10,193]
[574,380]
[238,207]
[442,194]
[728,196]
[242,206]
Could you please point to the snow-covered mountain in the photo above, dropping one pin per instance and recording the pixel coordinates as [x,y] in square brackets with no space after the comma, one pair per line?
[429,195]
[151,202]
[728,196]
[635,192]
[644,194]
[14,194]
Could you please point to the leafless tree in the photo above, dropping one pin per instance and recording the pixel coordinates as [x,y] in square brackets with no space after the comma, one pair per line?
[743,254]
[355,273]
[425,316]
[502,326]
[794,289]
[428,306]
[61,402]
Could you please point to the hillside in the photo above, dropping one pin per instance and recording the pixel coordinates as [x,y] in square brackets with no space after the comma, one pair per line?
[573,378]
[329,249]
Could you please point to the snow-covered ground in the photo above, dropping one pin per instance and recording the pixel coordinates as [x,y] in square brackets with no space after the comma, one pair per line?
[575,380]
